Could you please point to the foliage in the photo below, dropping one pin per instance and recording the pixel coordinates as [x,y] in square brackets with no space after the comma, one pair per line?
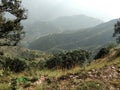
[73,77]
[105,50]
[102,53]
[111,46]
[118,54]
[41,64]
[32,64]
[15,65]
[13,84]
[11,29]
[23,79]
[117,31]
[67,60]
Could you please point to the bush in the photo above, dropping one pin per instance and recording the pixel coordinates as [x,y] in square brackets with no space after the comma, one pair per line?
[67,60]
[117,54]
[41,64]
[102,53]
[54,62]
[111,46]
[32,64]
[15,65]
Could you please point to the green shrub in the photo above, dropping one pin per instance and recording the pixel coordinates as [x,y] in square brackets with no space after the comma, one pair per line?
[102,53]
[14,84]
[54,61]
[67,60]
[41,64]
[32,64]
[15,65]
[117,54]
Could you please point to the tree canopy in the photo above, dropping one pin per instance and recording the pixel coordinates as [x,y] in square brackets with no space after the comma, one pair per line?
[68,59]
[11,30]
[117,31]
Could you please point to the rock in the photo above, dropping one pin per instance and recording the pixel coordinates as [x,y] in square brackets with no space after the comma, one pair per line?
[113,67]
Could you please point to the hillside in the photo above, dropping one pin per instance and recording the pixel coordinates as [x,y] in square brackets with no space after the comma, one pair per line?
[100,74]
[22,53]
[37,29]
[88,38]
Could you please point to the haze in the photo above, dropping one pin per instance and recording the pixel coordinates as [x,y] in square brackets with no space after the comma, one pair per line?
[48,9]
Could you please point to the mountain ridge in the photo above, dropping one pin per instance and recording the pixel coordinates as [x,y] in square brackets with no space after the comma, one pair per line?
[35,30]
[75,22]
[92,37]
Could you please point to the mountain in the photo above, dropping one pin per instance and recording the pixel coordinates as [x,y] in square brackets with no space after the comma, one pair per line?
[35,30]
[76,22]
[100,74]
[38,29]
[90,38]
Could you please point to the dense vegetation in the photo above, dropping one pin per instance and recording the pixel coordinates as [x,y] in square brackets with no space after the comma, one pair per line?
[68,60]
[20,58]
[15,65]
[102,53]
[117,31]
[11,30]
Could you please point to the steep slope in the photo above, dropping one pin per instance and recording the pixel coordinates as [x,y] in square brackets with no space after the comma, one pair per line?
[89,38]
[100,74]
[37,29]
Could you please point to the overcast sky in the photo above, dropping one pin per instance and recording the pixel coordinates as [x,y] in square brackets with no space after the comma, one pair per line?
[48,9]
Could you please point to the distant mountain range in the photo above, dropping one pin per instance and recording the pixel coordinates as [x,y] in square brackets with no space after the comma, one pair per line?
[76,22]
[90,38]
[35,30]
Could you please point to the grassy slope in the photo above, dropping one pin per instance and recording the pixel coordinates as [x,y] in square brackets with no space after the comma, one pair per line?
[100,65]
[97,65]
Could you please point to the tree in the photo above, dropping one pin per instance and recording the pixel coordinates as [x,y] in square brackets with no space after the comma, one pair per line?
[15,65]
[11,30]
[68,59]
[117,31]
[102,53]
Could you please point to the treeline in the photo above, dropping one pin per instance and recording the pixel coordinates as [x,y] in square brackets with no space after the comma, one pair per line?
[61,60]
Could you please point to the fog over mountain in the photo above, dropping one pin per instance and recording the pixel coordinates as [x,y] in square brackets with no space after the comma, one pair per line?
[55,16]
[64,24]
[91,38]
[49,9]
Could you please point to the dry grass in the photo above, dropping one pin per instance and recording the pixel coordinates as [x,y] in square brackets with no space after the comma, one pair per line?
[96,64]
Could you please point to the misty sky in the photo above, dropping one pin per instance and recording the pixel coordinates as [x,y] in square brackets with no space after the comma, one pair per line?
[48,9]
